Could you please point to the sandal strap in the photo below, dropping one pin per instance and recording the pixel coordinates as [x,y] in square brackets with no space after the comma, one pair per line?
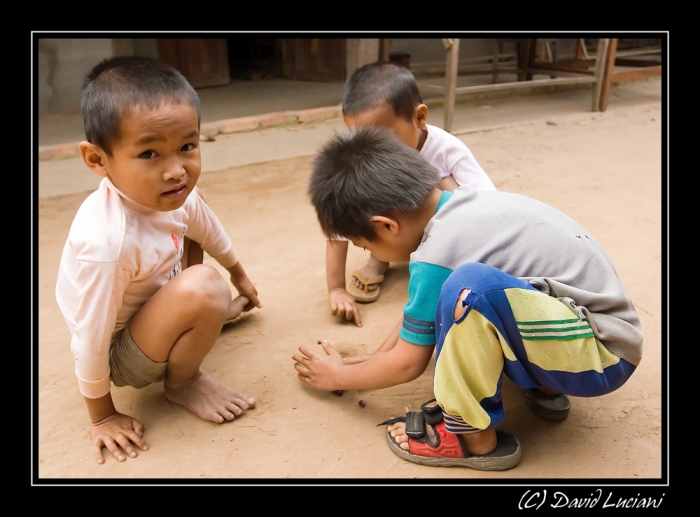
[430,410]
[415,424]
[394,420]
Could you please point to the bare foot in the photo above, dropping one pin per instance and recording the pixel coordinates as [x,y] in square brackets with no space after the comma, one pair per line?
[209,399]
[478,444]
[373,268]
[237,305]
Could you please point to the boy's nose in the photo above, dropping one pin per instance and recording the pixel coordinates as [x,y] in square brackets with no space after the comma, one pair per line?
[174,170]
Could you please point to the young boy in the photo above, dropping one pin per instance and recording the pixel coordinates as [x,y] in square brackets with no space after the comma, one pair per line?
[385,94]
[499,284]
[136,315]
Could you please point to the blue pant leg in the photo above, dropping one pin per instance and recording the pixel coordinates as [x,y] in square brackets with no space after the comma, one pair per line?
[473,352]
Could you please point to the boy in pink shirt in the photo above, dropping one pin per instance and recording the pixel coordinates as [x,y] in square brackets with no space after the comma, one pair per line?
[137,311]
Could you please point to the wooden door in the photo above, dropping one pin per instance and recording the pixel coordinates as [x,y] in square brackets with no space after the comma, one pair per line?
[317,59]
[203,61]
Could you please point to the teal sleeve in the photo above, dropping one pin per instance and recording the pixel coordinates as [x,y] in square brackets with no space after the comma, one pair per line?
[424,287]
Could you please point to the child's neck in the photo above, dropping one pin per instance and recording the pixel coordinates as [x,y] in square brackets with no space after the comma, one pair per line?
[422,137]
[429,209]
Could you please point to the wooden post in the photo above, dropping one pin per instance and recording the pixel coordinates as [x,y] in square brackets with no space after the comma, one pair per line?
[451,66]
[384,49]
[599,72]
[608,73]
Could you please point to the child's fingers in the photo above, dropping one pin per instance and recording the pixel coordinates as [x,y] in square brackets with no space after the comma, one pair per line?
[328,348]
[136,436]
[254,301]
[306,354]
[356,316]
[349,313]
[114,449]
[97,452]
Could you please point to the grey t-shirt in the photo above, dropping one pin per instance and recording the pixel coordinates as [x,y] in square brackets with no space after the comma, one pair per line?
[533,241]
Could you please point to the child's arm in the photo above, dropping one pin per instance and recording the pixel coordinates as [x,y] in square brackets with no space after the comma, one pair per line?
[112,429]
[341,302]
[326,370]
[206,231]
[244,286]
[448,183]
[387,344]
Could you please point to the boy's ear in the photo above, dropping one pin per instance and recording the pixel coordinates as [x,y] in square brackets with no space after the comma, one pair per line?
[421,115]
[385,224]
[94,157]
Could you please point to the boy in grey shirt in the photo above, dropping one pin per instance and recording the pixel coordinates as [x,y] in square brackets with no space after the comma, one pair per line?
[499,284]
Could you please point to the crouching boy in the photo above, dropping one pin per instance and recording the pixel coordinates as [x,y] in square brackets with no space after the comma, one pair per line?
[500,284]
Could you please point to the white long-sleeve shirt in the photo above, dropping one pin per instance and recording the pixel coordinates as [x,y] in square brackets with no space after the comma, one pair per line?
[450,156]
[117,255]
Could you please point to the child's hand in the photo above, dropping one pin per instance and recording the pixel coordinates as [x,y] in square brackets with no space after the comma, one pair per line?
[317,369]
[244,286]
[247,289]
[344,305]
[116,433]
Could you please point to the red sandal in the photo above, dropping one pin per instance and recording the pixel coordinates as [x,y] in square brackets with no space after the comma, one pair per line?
[448,449]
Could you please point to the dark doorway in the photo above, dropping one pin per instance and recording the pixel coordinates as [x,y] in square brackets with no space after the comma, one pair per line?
[252,58]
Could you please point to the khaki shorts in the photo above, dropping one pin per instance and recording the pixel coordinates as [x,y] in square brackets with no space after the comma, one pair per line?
[130,366]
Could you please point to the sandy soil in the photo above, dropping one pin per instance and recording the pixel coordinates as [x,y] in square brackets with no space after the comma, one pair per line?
[604,170]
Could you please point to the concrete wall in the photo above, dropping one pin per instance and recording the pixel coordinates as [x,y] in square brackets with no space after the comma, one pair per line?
[62,65]
[359,52]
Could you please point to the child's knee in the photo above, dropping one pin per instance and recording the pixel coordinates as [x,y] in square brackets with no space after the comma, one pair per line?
[460,307]
[202,286]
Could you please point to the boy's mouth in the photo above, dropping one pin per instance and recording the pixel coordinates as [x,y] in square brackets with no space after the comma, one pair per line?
[175,193]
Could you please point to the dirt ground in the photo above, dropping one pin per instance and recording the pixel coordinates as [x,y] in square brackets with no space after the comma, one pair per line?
[603,169]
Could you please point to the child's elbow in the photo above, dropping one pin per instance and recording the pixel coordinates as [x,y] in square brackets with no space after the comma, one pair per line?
[410,372]
[410,360]
[412,375]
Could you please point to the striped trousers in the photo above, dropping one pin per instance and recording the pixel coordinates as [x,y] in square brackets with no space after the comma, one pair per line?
[509,328]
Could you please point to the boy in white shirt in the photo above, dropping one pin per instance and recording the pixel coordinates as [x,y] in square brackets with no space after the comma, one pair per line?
[385,94]
[137,312]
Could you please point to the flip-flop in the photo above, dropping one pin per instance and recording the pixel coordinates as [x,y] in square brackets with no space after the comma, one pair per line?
[549,407]
[364,295]
[448,449]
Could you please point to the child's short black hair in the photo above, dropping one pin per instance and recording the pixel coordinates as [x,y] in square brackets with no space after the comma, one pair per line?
[363,172]
[381,82]
[118,84]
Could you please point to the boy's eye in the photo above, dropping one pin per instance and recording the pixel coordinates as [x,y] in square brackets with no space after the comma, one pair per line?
[188,147]
[148,154]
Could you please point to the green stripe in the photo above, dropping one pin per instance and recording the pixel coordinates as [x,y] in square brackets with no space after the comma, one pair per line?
[550,322]
[555,329]
[559,338]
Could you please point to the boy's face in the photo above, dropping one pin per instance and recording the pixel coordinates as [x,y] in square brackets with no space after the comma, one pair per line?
[156,161]
[386,250]
[396,238]
[409,132]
